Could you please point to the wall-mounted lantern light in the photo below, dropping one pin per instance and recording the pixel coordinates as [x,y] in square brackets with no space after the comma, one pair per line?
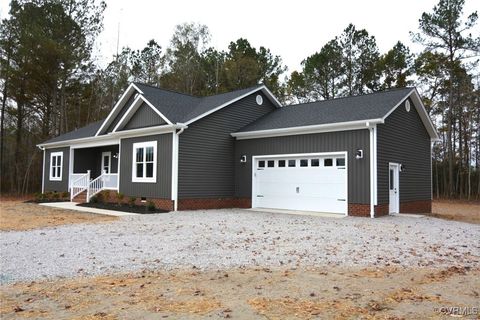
[243,159]
[359,154]
[402,168]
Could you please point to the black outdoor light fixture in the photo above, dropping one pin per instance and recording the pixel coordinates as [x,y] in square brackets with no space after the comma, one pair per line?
[359,154]
[402,168]
[243,159]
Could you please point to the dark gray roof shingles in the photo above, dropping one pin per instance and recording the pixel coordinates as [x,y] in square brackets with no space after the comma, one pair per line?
[176,107]
[356,108]
[84,132]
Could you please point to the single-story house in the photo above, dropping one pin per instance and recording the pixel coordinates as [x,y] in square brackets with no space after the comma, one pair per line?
[365,155]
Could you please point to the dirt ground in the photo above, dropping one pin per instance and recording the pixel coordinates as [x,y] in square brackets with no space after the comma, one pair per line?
[332,293]
[16,215]
[458,210]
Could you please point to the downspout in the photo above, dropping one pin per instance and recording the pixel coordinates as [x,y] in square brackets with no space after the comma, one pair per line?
[175,147]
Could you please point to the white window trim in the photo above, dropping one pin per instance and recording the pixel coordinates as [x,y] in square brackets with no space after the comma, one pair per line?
[56,154]
[134,171]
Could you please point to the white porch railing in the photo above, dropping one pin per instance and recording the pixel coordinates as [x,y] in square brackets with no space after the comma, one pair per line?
[81,182]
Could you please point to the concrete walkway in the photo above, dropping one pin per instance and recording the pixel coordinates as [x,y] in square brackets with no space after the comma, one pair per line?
[73,206]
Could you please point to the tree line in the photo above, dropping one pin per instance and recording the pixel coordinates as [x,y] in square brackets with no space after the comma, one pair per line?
[51,83]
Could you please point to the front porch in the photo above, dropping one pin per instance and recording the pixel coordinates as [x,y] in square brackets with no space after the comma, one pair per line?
[92,170]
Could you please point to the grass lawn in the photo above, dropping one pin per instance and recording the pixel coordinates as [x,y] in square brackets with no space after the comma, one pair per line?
[16,216]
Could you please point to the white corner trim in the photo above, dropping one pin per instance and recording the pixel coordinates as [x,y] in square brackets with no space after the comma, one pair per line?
[264,89]
[43,172]
[120,102]
[174,187]
[70,166]
[372,171]
[329,127]
[375,167]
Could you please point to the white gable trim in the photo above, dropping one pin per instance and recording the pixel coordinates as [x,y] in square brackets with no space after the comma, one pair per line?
[328,127]
[120,103]
[264,89]
[133,108]
[422,112]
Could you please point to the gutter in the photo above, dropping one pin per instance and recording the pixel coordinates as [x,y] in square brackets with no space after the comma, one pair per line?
[329,127]
[118,134]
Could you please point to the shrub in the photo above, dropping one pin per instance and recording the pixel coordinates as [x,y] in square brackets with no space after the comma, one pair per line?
[48,195]
[106,195]
[56,195]
[100,197]
[131,201]
[94,199]
[39,196]
[151,206]
[65,195]
[120,197]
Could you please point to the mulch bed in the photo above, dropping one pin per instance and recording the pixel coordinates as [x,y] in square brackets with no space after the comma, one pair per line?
[122,207]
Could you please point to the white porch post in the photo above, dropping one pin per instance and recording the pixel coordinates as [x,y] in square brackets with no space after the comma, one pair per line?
[88,186]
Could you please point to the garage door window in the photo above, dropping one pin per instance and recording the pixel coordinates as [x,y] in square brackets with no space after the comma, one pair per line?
[315,163]
[304,163]
[291,163]
[281,163]
[340,162]
[261,164]
[271,163]
[328,162]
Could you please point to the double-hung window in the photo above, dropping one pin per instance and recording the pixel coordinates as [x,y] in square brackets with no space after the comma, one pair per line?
[144,167]
[56,165]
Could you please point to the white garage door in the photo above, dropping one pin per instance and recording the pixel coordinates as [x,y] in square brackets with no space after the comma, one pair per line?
[301,182]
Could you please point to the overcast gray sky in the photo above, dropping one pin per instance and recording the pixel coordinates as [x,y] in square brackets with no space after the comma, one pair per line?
[291,29]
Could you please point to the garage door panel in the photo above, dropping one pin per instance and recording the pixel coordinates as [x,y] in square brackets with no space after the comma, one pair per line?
[310,188]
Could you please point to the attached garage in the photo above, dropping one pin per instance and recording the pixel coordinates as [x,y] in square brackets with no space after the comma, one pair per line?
[303,182]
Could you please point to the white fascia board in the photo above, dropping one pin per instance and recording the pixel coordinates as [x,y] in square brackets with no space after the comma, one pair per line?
[330,127]
[126,94]
[261,88]
[422,112]
[113,138]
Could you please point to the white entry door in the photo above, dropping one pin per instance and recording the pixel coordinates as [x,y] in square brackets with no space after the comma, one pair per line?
[106,162]
[394,188]
[304,183]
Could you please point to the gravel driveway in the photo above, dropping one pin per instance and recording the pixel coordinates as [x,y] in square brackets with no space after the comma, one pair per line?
[219,239]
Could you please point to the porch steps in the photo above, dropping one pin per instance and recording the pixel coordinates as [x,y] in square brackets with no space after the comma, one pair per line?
[81,197]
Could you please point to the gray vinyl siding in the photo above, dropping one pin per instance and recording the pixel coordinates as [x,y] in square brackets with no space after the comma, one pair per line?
[207,151]
[144,117]
[59,186]
[162,188]
[124,109]
[350,141]
[404,139]
[91,159]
